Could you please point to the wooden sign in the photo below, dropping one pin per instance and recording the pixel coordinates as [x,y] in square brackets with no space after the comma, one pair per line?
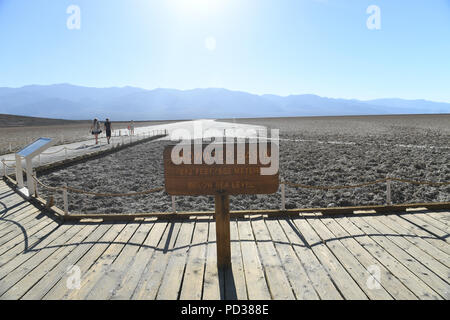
[237,169]
[221,170]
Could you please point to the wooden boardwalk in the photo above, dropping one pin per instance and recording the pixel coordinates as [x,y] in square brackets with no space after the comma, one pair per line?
[405,256]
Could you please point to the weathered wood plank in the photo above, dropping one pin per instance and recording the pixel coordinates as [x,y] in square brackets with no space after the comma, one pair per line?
[104,288]
[104,263]
[23,241]
[195,265]
[418,261]
[442,216]
[387,280]
[416,240]
[359,273]
[278,283]
[172,280]
[130,280]
[13,275]
[426,226]
[235,285]
[17,229]
[19,255]
[320,279]
[298,278]
[211,288]
[46,283]
[15,214]
[154,272]
[434,222]
[414,230]
[407,276]
[257,288]
[60,290]
[44,267]
[344,282]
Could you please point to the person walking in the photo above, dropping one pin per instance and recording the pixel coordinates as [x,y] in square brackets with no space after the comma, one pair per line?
[108,129]
[131,128]
[95,129]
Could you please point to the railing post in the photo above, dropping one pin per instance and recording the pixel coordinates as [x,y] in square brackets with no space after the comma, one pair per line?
[66,201]
[283,195]
[36,194]
[388,192]
[174,208]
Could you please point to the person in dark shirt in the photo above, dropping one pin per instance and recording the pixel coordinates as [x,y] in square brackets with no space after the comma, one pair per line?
[108,129]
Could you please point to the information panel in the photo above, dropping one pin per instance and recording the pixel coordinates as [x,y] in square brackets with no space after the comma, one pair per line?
[34,147]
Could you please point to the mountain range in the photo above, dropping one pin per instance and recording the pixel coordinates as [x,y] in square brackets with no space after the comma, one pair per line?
[65,101]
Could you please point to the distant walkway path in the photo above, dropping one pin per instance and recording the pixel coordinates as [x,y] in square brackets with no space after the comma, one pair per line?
[192,130]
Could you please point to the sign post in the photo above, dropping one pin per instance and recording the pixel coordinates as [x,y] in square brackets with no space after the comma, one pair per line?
[222,217]
[237,169]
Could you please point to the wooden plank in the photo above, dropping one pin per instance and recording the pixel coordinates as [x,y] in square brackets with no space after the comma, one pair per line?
[18,229]
[425,246]
[173,276]
[442,216]
[344,282]
[257,288]
[426,226]
[44,267]
[400,262]
[15,213]
[44,251]
[130,280]
[434,222]
[301,285]
[211,288]
[53,276]
[431,271]
[358,272]
[103,263]
[414,231]
[319,278]
[19,254]
[154,271]
[21,241]
[60,290]
[279,286]
[195,266]
[235,285]
[105,285]
[387,280]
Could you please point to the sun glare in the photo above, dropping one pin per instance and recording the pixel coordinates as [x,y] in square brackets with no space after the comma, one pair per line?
[198,7]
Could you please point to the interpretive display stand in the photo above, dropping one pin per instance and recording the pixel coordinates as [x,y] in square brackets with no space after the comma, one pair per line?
[28,153]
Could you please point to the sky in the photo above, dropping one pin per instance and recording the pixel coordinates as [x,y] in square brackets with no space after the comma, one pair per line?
[283,47]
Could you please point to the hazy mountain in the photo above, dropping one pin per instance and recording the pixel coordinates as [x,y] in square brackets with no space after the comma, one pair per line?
[75,102]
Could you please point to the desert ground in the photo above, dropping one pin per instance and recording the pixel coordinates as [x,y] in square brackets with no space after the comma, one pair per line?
[320,151]
[17,131]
